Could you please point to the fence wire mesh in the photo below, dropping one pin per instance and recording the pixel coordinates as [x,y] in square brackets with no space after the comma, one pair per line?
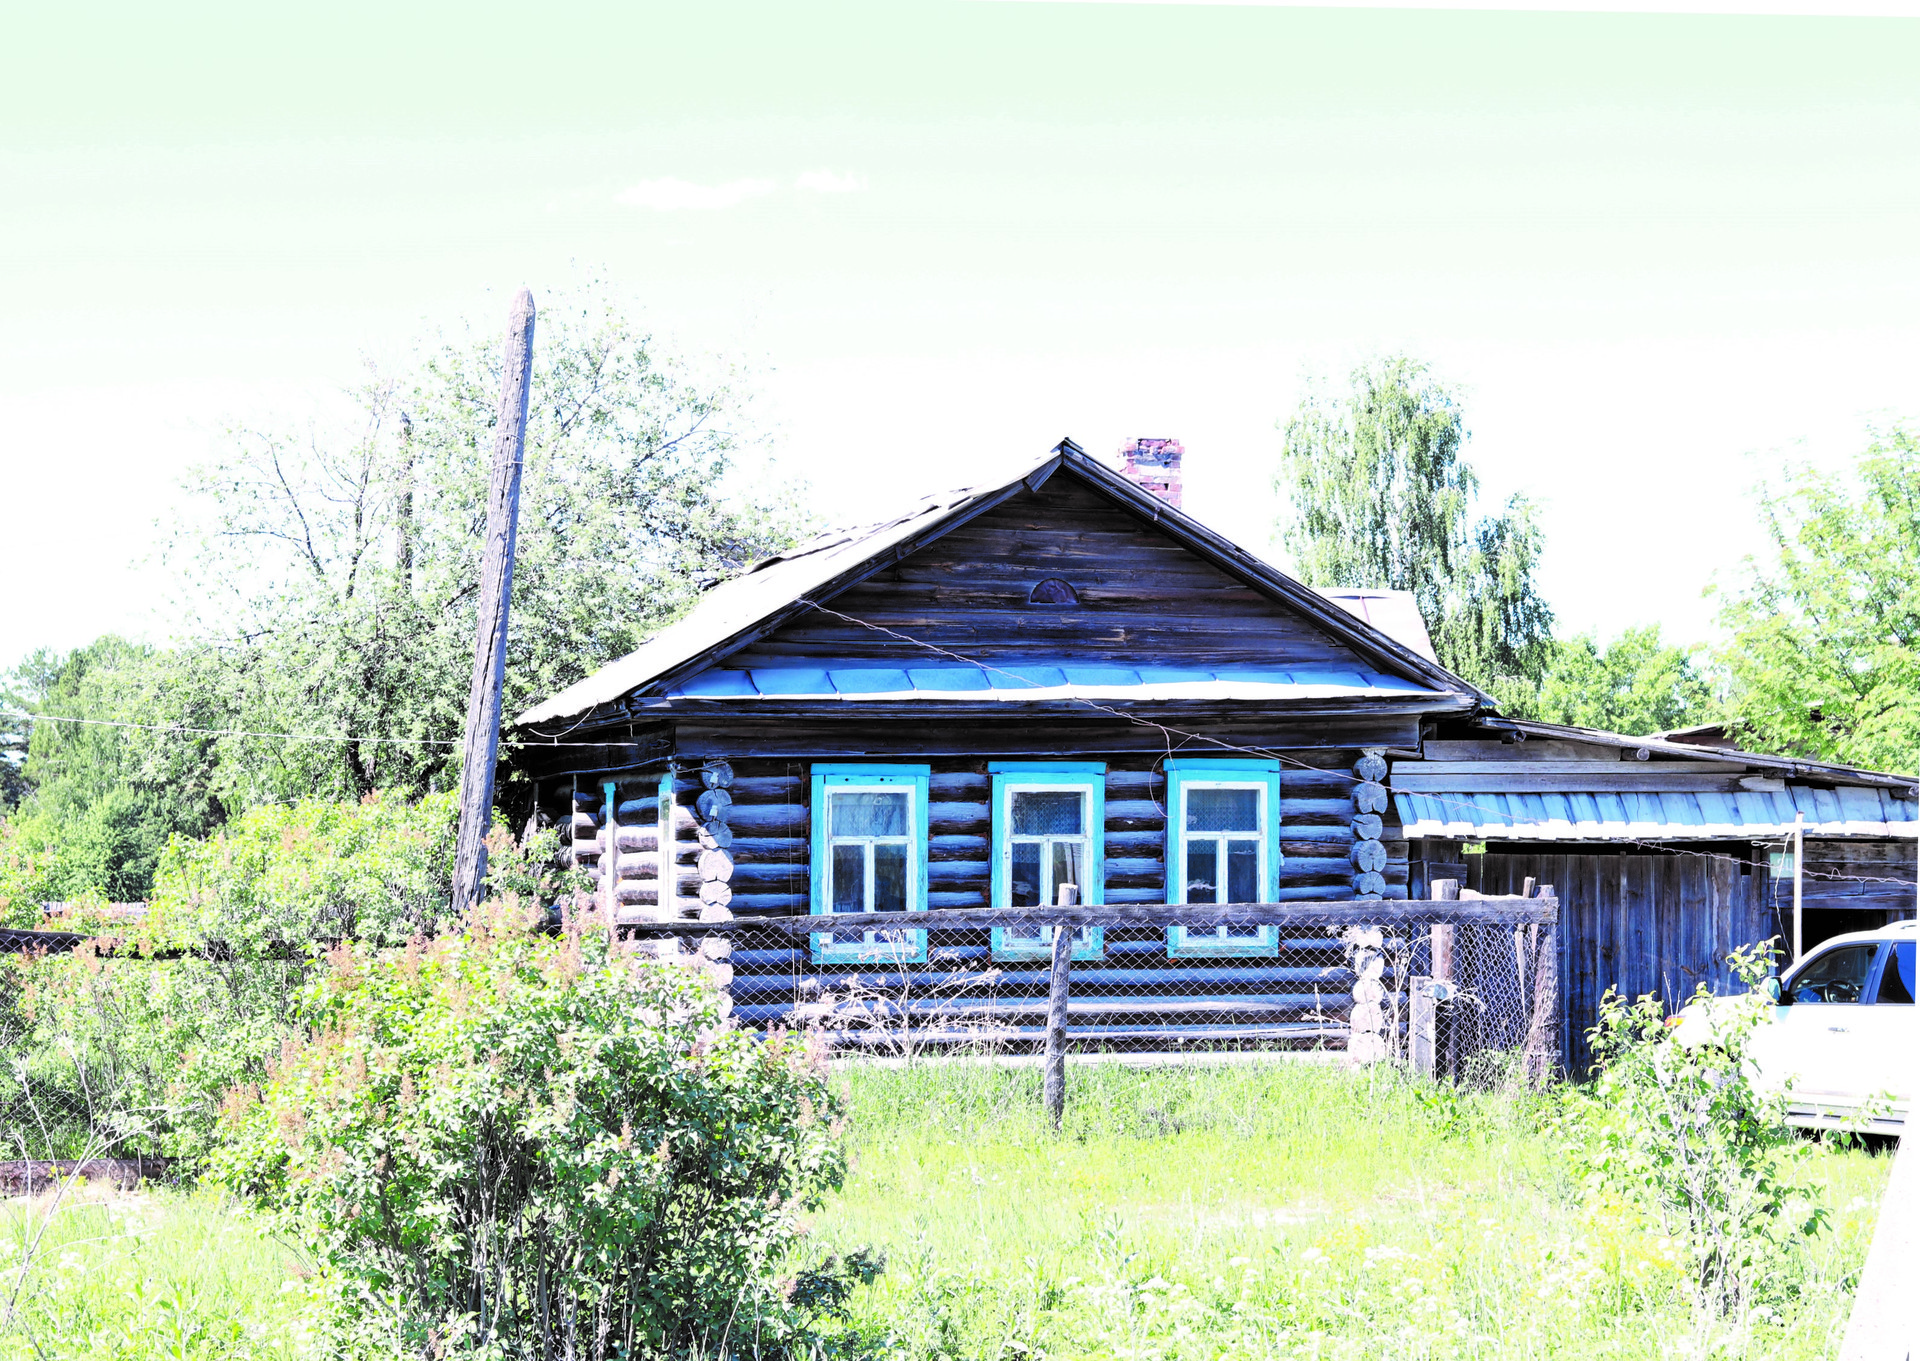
[98,1054]
[1379,982]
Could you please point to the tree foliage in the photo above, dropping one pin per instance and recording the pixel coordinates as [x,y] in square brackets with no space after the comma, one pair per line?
[1635,684]
[330,575]
[1382,497]
[334,577]
[1823,651]
[100,802]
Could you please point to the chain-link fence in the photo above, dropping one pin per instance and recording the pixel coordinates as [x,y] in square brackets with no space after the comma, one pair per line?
[1449,988]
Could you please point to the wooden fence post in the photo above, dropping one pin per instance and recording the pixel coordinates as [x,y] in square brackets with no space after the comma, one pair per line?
[481,748]
[1055,1085]
[1446,1055]
[1543,1039]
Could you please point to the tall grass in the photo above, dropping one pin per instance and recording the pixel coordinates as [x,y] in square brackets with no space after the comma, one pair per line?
[1275,1210]
[158,1274]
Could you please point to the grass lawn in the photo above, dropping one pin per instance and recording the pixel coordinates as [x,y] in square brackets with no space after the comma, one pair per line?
[1274,1210]
[151,1275]
[1270,1210]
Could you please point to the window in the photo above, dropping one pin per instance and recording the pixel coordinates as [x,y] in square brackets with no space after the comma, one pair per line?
[1896,975]
[1053,591]
[1049,832]
[869,855]
[1223,846]
[1838,976]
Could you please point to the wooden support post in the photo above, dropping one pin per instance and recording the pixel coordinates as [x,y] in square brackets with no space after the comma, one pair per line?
[610,851]
[1446,1049]
[1799,847]
[1543,1037]
[1421,1014]
[1055,1084]
[481,749]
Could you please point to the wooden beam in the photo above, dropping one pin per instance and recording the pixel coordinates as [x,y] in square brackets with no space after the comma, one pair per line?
[481,749]
[1504,911]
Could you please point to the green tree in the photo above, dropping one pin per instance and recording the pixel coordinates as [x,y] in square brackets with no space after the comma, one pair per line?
[334,578]
[1635,684]
[101,801]
[1823,650]
[1381,497]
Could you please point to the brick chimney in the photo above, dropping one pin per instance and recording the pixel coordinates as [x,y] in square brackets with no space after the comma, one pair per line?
[1154,464]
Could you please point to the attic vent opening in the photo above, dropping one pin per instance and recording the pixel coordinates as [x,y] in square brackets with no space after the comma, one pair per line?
[1053,591]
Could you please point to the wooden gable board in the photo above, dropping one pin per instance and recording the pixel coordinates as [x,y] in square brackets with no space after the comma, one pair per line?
[1143,597]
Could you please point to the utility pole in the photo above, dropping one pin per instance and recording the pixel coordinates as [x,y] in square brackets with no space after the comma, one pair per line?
[482,746]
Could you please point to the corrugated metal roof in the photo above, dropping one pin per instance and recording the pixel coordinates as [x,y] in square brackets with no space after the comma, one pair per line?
[1394,613]
[1854,811]
[1032,681]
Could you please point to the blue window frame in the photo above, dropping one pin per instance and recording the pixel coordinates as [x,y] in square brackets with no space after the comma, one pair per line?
[1223,846]
[869,855]
[1049,829]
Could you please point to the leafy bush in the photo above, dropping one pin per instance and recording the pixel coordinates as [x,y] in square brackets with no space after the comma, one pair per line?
[523,1145]
[1678,1118]
[112,1037]
[378,869]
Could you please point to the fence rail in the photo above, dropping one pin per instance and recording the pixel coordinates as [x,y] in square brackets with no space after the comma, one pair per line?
[1441,986]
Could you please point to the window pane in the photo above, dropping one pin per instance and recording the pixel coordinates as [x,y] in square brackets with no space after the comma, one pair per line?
[868,814]
[1837,976]
[1066,863]
[1223,810]
[1202,871]
[1025,886]
[849,879]
[1048,813]
[1896,976]
[889,878]
[1243,872]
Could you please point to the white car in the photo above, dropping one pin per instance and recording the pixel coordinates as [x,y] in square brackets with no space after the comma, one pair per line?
[1841,1036]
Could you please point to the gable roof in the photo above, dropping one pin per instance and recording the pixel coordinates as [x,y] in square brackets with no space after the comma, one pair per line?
[746,608]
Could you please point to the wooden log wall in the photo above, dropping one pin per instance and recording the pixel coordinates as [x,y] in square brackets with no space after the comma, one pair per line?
[1135,991]
[770,822]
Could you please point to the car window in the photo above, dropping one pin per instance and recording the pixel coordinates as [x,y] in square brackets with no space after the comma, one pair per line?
[1896,975]
[1838,976]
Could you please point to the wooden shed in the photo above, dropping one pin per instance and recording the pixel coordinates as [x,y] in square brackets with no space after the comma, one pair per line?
[1062,681]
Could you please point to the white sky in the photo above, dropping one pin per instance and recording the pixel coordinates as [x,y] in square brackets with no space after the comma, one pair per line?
[1652,249]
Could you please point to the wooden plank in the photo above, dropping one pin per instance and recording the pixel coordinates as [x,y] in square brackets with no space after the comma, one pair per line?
[1612,779]
[1536,750]
[1499,911]
[1585,769]
[994,733]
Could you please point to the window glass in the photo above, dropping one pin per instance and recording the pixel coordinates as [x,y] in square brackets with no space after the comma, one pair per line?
[1067,859]
[1838,976]
[1223,810]
[868,814]
[890,877]
[1024,885]
[1047,812]
[1896,976]
[849,878]
[1203,859]
[1243,872]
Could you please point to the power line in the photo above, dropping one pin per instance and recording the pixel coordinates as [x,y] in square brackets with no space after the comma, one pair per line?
[1171,732]
[190,730]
